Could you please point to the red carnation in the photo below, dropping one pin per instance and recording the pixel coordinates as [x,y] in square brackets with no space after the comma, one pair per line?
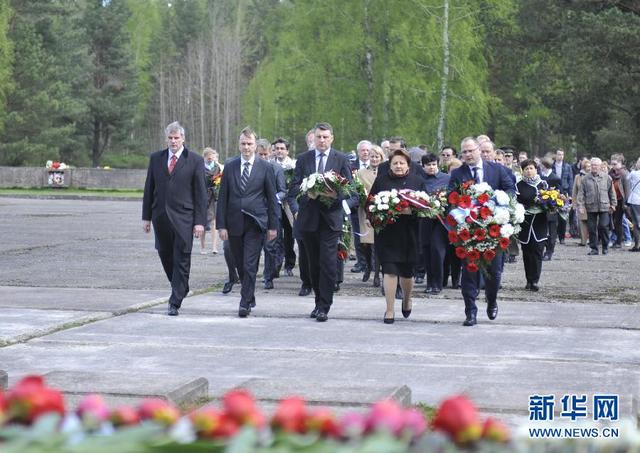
[465,202]
[290,416]
[124,416]
[461,252]
[458,418]
[473,255]
[454,198]
[485,212]
[464,235]
[451,221]
[453,236]
[489,255]
[469,220]
[472,267]
[480,234]
[483,198]
[342,255]
[468,184]
[494,230]
[495,431]
[504,243]
[240,406]
[30,398]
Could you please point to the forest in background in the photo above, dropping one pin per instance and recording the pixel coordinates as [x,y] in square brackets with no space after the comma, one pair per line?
[94,82]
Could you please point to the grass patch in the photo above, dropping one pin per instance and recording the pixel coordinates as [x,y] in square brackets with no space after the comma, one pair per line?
[61,192]
[427,411]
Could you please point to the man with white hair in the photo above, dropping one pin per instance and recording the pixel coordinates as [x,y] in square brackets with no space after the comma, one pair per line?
[175,202]
[363,149]
[599,199]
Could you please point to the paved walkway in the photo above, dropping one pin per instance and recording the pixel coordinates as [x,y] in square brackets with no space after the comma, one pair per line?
[81,289]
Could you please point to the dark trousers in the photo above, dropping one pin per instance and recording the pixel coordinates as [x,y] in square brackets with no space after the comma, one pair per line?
[434,250]
[550,243]
[246,250]
[532,259]
[452,266]
[231,264]
[287,243]
[360,253]
[272,257]
[175,261]
[618,214]
[471,286]
[303,264]
[598,223]
[321,247]
[562,228]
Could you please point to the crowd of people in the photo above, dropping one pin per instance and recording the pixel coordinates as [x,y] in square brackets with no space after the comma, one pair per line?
[253,205]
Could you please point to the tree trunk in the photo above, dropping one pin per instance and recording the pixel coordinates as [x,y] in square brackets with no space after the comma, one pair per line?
[368,73]
[445,77]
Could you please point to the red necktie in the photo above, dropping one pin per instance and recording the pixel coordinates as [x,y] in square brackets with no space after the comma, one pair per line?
[172,163]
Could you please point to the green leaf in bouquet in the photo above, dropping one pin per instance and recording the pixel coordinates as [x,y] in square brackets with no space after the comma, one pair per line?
[245,441]
[382,443]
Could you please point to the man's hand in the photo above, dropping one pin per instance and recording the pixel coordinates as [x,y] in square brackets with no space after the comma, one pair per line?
[146,226]
[330,194]
[198,230]
[271,235]
[224,234]
[406,211]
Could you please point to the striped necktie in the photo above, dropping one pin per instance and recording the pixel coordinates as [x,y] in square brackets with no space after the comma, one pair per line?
[172,163]
[244,179]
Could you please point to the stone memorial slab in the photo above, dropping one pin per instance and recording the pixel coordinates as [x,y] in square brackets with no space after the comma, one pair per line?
[130,388]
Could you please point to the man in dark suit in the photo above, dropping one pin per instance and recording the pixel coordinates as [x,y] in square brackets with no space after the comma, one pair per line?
[175,201]
[563,171]
[273,250]
[474,168]
[246,211]
[320,226]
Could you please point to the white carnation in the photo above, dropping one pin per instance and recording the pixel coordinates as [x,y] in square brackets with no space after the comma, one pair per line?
[481,188]
[506,230]
[519,213]
[436,203]
[393,192]
[501,215]
[395,200]
[372,208]
[311,181]
[501,197]
[383,207]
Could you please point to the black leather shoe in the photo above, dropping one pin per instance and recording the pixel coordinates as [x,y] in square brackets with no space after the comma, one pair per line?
[527,286]
[605,251]
[243,312]
[455,286]
[398,293]
[406,313]
[435,291]
[289,272]
[304,291]
[314,313]
[336,288]
[228,286]
[419,280]
[252,303]
[173,310]
[470,321]
[546,257]
[428,290]
[492,311]
[534,287]
[388,320]
[593,252]
[366,275]
[376,281]
[322,316]
[268,284]
[356,269]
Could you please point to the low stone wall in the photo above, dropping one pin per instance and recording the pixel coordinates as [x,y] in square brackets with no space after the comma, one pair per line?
[85,178]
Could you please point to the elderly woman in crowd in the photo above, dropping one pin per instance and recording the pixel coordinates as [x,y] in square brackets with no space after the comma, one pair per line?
[535,228]
[581,212]
[397,244]
[368,176]
[633,202]
[211,170]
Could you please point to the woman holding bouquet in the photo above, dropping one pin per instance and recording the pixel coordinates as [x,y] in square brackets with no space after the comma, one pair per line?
[367,176]
[534,231]
[396,244]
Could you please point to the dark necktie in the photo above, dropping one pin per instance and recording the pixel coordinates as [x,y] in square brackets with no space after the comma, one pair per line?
[172,163]
[321,163]
[476,177]
[244,179]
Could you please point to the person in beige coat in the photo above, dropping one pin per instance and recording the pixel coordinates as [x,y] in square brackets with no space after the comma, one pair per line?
[367,176]
[599,200]
[579,207]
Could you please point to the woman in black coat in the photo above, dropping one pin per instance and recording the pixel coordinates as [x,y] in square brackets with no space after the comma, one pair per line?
[397,244]
[535,229]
